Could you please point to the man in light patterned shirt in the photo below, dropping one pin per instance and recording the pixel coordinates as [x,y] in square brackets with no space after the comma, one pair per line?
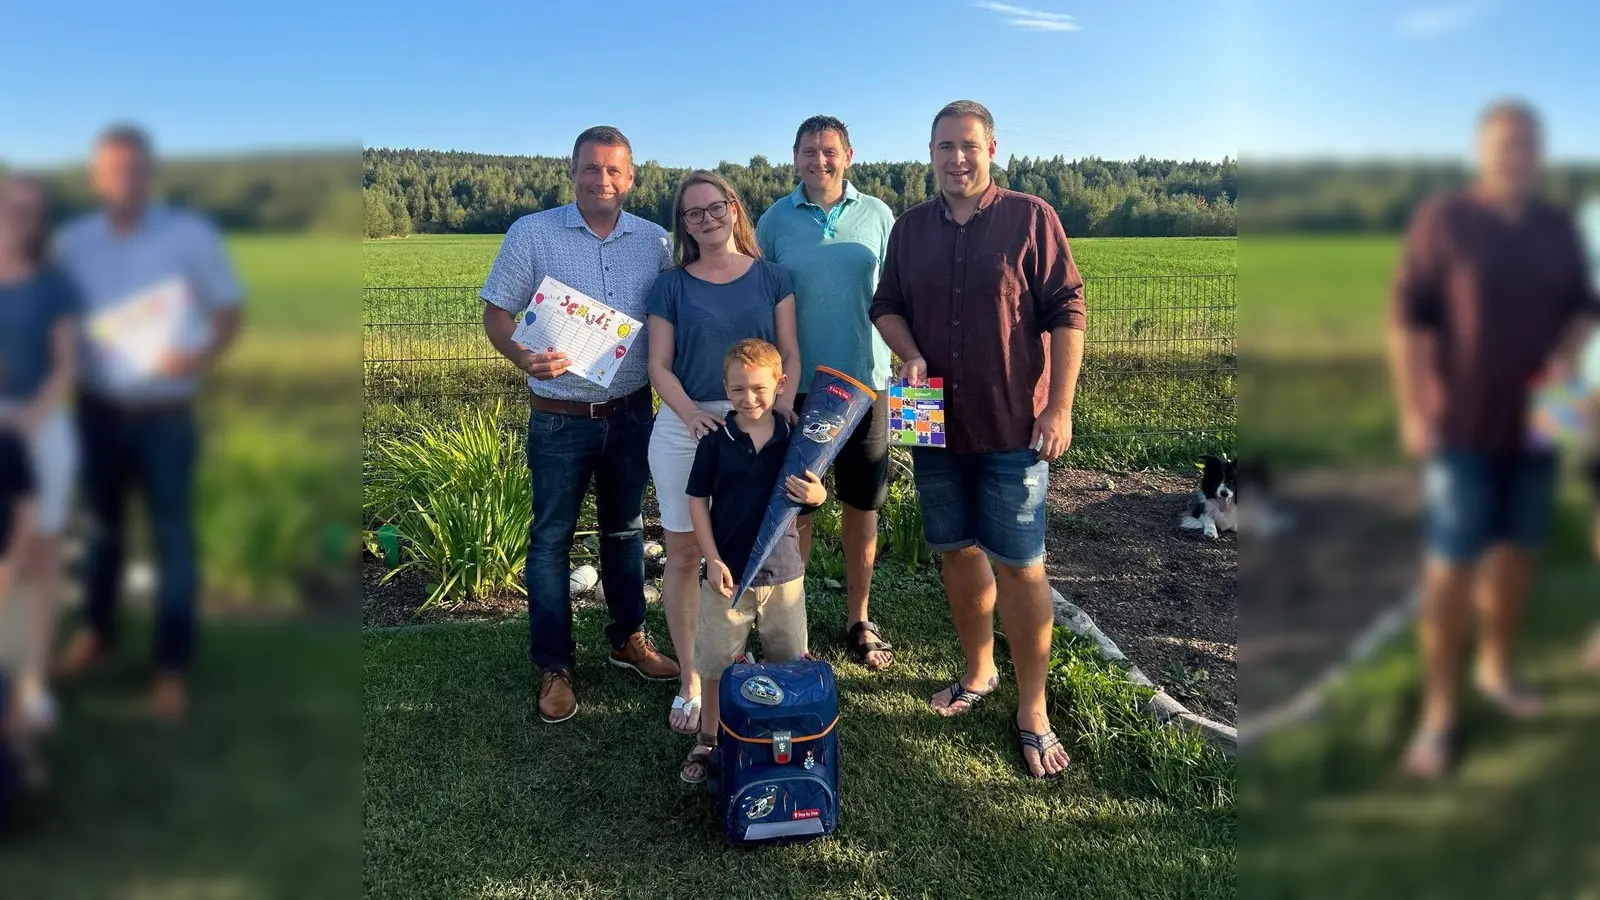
[576,428]
[143,431]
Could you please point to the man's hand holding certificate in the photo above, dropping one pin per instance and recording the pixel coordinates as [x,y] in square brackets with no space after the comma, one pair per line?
[156,333]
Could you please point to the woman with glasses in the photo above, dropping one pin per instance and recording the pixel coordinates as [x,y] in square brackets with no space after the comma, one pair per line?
[39,309]
[719,293]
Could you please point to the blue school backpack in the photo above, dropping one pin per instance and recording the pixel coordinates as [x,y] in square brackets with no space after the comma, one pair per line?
[775,772]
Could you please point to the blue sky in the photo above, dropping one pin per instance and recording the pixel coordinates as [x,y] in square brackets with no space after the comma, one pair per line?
[694,84]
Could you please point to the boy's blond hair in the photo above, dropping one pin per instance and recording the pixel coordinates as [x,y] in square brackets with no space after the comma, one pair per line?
[753,352]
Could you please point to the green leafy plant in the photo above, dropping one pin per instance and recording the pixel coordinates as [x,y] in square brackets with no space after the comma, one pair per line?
[461,499]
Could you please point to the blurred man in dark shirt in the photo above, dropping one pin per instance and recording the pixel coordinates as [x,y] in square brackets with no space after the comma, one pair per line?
[1492,295]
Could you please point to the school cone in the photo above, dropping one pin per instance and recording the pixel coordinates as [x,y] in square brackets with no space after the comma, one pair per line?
[835,404]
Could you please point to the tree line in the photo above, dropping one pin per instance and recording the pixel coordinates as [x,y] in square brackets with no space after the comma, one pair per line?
[428,191]
[404,191]
[1371,196]
[314,191]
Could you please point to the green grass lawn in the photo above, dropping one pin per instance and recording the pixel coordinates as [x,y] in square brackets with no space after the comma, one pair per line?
[469,795]
[1323,812]
[458,260]
[258,796]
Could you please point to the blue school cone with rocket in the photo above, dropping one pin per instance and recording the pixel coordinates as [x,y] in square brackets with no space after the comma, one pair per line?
[835,405]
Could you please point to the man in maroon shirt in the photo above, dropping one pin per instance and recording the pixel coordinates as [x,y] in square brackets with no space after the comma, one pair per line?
[979,288]
[1492,292]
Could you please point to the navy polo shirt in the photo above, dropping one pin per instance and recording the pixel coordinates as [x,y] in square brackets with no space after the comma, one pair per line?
[739,482]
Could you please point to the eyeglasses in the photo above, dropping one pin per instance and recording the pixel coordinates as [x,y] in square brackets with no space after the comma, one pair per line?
[696,215]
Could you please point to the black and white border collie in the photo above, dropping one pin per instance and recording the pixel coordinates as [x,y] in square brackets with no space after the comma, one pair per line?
[1216,505]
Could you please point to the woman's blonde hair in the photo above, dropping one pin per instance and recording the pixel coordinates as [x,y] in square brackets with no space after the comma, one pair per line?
[686,248]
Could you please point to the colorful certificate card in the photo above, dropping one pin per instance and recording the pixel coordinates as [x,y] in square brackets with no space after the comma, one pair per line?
[132,335]
[916,414]
[593,335]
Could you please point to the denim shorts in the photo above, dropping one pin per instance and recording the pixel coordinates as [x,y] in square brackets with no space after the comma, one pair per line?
[994,501]
[1472,501]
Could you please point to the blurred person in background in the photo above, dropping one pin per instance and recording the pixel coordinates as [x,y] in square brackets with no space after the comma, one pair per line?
[144,432]
[39,309]
[18,509]
[1492,294]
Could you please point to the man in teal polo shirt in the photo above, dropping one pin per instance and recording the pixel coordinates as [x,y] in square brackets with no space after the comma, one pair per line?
[831,238]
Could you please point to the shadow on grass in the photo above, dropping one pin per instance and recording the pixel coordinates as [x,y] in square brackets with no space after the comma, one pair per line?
[467,793]
[1324,813]
[256,796]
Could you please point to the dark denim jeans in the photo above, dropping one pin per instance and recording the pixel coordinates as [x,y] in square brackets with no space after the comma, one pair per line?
[155,450]
[564,452]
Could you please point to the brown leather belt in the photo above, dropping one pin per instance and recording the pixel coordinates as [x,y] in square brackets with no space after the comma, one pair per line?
[583,410]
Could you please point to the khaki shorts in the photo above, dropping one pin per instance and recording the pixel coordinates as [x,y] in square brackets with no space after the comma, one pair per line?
[778,612]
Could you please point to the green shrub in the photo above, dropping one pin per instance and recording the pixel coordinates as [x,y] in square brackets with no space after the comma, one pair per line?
[461,498]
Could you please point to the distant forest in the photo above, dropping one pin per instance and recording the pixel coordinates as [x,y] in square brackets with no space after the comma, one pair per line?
[408,191]
[391,192]
[1369,197]
[315,191]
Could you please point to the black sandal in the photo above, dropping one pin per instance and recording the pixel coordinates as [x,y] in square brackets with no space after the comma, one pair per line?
[855,640]
[1042,744]
[960,693]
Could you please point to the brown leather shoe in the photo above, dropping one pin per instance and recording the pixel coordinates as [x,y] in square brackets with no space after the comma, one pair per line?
[557,701]
[83,651]
[169,698]
[640,654]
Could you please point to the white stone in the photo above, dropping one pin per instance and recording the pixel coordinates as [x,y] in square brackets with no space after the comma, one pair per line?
[582,579]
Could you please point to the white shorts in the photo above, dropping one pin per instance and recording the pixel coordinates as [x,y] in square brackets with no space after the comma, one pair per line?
[53,452]
[671,458]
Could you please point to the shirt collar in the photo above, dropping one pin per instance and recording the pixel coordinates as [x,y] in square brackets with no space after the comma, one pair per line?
[798,195]
[153,213]
[732,431]
[574,219]
[991,195]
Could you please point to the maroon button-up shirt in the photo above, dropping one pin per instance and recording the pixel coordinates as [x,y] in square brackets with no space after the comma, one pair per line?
[1498,296]
[981,300]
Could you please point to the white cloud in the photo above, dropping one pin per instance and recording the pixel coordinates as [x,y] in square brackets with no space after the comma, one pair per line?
[1440,20]
[1029,19]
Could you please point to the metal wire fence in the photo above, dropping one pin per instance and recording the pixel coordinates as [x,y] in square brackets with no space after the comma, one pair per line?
[1160,363]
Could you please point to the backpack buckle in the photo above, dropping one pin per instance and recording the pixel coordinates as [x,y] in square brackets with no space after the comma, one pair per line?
[782,746]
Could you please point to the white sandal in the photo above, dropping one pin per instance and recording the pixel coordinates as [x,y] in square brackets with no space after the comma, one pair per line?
[690,707]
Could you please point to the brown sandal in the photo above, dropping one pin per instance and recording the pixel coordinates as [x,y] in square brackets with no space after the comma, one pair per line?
[697,761]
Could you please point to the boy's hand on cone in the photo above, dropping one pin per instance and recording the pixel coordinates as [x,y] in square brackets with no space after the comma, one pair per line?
[807,491]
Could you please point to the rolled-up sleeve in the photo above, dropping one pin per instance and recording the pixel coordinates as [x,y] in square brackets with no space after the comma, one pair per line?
[1057,285]
[889,299]
[217,282]
[510,284]
[1586,295]
[1417,298]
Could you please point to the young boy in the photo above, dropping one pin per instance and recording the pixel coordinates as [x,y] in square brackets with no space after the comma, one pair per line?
[735,469]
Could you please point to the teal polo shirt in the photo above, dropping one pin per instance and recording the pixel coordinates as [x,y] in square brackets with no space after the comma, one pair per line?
[835,259]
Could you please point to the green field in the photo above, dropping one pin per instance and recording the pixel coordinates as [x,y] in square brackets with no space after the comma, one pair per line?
[1157,387]
[1314,386]
[456,260]
[279,482]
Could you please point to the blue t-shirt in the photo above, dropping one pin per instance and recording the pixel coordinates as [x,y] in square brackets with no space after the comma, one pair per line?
[707,319]
[29,311]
